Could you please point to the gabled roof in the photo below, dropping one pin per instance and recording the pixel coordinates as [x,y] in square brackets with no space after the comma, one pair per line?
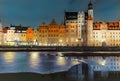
[43,25]
[53,24]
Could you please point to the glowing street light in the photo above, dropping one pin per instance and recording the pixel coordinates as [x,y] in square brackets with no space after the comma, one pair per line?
[76,40]
[60,40]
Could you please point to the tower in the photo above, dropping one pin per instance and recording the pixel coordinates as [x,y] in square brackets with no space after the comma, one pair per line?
[89,30]
[90,9]
[90,24]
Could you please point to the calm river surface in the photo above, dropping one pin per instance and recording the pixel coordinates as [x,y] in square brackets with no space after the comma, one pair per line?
[79,68]
[38,62]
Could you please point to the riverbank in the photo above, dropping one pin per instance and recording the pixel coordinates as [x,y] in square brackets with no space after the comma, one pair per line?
[60,76]
[97,53]
[59,48]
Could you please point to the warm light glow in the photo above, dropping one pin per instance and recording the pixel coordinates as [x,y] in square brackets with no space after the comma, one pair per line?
[9,57]
[60,40]
[102,62]
[76,40]
[61,61]
[103,40]
[60,54]
[34,59]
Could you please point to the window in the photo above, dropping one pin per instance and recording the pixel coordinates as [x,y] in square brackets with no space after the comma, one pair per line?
[72,30]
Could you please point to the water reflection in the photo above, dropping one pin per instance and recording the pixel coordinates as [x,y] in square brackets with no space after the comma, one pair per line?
[74,61]
[95,67]
[34,59]
[50,62]
[61,61]
[9,57]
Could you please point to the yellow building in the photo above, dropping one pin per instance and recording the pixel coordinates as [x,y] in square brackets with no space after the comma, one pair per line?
[62,35]
[20,35]
[36,37]
[51,35]
[71,29]
[43,35]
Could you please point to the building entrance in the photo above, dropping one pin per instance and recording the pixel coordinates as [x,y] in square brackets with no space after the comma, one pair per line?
[103,43]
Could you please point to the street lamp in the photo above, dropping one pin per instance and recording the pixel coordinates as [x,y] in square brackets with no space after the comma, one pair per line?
[76,40]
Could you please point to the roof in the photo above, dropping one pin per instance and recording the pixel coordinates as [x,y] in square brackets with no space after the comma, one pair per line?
[110,25]
[5,29]
[53,24]
[43,24]
[71,15]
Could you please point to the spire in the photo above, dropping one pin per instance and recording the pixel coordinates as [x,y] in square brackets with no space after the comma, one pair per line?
[90,6]
[53,21]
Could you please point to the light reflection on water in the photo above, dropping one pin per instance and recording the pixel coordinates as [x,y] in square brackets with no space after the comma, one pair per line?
[9,57]
[34,59]
[61,61]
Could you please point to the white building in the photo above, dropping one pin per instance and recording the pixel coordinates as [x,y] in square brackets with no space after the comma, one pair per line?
[75,25]
[81,27]
[10,36]
[14,35]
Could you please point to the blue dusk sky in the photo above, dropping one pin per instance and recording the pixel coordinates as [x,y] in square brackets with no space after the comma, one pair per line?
[34,12]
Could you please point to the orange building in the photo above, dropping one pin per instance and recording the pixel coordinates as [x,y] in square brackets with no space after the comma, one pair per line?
[5,35]
[53,34]
[30,36]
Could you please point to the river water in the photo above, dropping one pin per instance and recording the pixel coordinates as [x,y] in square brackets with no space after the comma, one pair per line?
[38,62]
[79,68]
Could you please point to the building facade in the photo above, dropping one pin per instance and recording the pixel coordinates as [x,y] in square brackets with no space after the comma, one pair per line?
[43,35]
[81,27]
[53,34]
[73,32]
[62,35]
[102,33]
[14,35]
[78,29]
[30,36]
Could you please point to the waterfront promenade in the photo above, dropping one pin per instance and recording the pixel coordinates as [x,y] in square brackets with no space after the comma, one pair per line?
[58,48]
